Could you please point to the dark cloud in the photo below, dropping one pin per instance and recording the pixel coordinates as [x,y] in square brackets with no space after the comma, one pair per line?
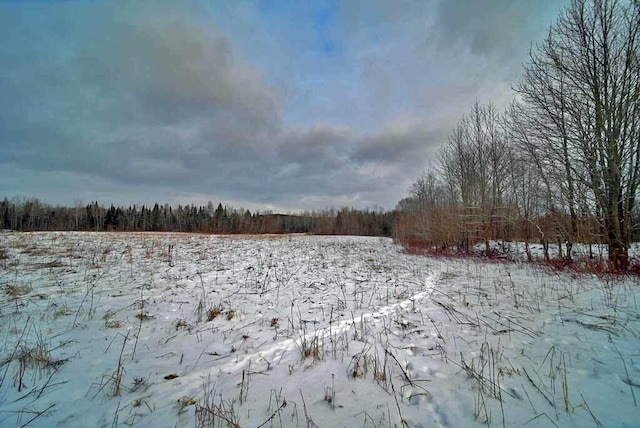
[326,146]
[397,146]
[491,27]
[138,96]
[141,101]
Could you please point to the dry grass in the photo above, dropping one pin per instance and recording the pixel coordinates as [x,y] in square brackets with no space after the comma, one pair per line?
[35,359]
[13,291]
[213,313]
[312,347]
[51,264]
[113,324]
[144,317]
[262,237]
[35,251]
[214,411]
[180,323]
[184,402]
[20,244]
[61,311]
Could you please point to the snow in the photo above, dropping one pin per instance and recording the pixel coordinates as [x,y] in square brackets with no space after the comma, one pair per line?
[580,252]
[102,329]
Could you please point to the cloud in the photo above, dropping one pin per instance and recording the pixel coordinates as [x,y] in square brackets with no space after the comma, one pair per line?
[323,145]
[134,96]
[492,27]
[160,101]
[404,139]
[318,104]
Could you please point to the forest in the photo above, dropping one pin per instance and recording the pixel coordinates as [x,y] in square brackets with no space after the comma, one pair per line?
[30,214]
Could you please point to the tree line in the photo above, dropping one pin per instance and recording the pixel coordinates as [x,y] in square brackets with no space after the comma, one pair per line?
[30,214]
[561,164]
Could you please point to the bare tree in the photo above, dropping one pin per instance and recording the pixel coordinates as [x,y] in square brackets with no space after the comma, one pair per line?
[581,89]
[474,166]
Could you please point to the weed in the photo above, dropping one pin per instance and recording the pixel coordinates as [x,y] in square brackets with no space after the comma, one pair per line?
[330,393]
[244,385]
[275,398]
[60,311]
[180,323]
[310,422]
[34,251]
[14,291]
[139,382]
[118,374]
[112,324]
[36,358]
[212,410]
[4,256]
[312,347]
[52,264]
[358,367]
[144,316]
[184,402]
[213,313]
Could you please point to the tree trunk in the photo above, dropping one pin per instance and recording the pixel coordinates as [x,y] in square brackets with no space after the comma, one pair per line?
[618,257]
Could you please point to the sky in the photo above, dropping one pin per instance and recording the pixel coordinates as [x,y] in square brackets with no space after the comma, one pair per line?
[266,105]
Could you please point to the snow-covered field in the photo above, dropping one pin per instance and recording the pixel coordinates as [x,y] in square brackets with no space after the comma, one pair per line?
[164,330]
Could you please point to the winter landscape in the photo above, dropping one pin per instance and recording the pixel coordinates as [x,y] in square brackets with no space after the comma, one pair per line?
[164,330]
[324,213]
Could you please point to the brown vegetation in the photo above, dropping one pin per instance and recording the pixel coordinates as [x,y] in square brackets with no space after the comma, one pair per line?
[561,165]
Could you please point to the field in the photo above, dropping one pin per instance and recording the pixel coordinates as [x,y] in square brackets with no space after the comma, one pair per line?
[164,330]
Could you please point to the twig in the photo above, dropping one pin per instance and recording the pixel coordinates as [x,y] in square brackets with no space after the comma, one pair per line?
[135,344]
[119,370]
[406,376]
[536,387]
[598,423]
[38,414]
[114,424]
[633,394]
[46,384]
[402,421]
[542,414]
[310,422]
[282,406]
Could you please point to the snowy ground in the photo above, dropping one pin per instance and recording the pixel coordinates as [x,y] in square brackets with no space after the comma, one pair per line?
[516,251]
[164,330]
